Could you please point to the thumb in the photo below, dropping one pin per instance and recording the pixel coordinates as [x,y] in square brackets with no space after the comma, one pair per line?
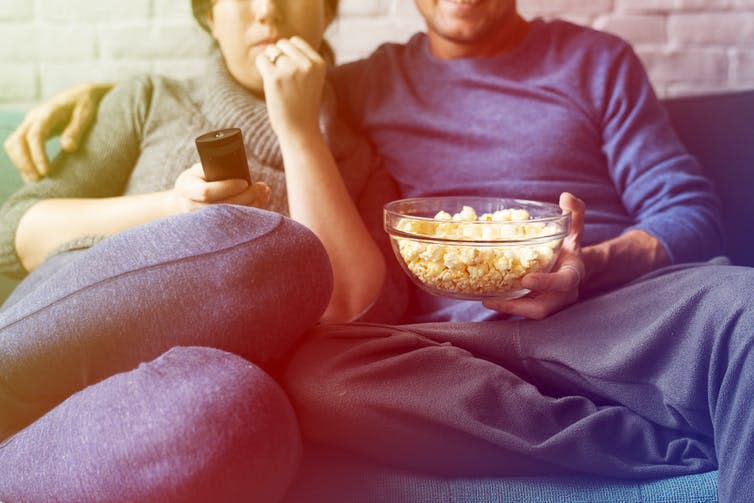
[576,207]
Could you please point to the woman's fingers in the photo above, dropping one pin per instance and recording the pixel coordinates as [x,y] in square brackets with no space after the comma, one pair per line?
[306,49]
[294,54]
[288,54]
[212,192]
[256,195]
[192,185]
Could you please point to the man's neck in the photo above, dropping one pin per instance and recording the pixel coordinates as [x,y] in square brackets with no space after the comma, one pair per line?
[507,38]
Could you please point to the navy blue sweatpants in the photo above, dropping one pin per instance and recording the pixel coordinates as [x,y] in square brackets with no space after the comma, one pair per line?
[653,380]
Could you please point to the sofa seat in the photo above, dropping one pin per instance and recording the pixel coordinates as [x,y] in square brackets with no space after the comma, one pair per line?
[329,476]
[716,128]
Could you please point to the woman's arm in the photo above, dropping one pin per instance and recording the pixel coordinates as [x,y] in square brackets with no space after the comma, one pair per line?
[50,223]
[81,200]
[317,194]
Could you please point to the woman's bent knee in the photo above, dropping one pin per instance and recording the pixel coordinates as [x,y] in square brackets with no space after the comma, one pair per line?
[195,424]
[234,431]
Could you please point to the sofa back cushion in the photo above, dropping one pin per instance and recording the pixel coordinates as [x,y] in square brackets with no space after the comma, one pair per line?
[719,131]
[9,179]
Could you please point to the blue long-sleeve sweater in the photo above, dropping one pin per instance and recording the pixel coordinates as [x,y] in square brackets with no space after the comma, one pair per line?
[570,109]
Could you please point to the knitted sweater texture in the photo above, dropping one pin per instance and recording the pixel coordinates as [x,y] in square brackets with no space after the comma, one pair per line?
[143,138]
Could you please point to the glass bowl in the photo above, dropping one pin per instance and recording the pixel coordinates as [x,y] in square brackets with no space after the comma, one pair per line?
[470,247]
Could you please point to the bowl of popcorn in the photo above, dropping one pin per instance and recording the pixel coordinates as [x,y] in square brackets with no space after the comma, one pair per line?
[474,247]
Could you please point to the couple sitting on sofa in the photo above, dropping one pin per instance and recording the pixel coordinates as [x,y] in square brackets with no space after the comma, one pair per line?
[630,359]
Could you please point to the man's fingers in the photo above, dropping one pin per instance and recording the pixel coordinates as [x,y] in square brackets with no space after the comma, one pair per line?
[535,307]
[81,118]
[35,142]
[577,208]
[563,280]
[532,308]
[18,152]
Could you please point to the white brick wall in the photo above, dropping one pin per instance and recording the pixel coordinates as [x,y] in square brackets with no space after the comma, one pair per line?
[689,46]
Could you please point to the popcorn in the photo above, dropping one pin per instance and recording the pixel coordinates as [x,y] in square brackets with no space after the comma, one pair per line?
[478,269]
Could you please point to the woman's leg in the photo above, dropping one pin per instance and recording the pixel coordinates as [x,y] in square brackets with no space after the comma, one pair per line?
[196,424]
[239,279]
[654,380]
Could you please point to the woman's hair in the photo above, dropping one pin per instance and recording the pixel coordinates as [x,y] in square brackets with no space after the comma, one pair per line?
[202,9]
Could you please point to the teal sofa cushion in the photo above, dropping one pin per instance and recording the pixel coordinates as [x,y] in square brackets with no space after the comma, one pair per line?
[9,179]
[717,129]
[328,475]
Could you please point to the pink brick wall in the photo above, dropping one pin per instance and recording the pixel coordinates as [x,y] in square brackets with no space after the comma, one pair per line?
[688,46]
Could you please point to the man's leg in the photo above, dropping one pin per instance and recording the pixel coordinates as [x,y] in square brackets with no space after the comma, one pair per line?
[196,424]
[225,276]
[628,384]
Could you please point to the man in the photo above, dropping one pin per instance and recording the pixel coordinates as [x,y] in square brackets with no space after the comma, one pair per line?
[647,375]
[635,359]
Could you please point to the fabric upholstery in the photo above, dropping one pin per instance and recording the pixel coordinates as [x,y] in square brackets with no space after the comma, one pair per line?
[9,180]
[718,130]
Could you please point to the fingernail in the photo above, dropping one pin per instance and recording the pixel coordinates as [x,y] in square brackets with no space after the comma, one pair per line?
[66,143]
[529,283]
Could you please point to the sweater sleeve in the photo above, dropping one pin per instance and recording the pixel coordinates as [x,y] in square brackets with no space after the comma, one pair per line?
[99,168]
[662,186]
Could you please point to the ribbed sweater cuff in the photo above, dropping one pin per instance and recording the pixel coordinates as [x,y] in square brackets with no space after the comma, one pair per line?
[10,264]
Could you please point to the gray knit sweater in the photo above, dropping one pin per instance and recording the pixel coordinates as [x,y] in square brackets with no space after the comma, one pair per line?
[143,138]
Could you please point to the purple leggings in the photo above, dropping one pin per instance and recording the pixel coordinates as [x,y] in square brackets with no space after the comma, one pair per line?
[85,418]
[195,424]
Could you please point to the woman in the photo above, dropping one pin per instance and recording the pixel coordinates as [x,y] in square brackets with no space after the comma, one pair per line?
[141,251]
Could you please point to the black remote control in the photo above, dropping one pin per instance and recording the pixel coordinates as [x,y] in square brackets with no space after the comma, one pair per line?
[223,155]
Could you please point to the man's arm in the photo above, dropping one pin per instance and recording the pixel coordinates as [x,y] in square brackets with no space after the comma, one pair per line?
[72,111]
[619,260]
[553,291]
[662,187]
[99,169]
